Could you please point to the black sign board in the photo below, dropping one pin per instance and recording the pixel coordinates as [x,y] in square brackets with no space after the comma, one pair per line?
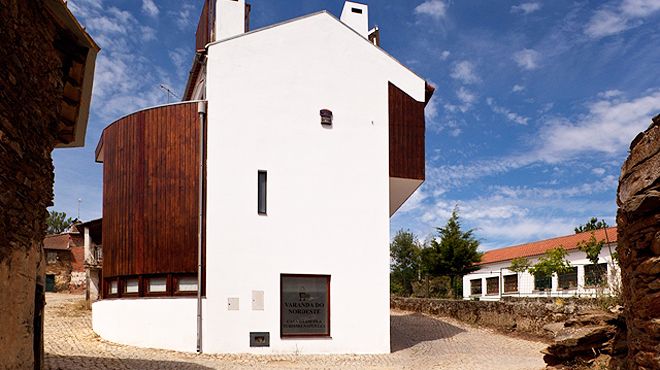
[305,305]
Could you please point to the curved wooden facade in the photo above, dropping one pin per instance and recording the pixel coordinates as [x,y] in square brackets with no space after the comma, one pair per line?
[150,193]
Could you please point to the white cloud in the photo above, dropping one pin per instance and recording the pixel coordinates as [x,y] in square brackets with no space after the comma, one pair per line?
[185,17]
[179,58]
[444,55]
[511,116]
[150,8]
[527,58]
[434,8]
[526,8]
[518,88]
[148,33]
[610,94]
[608,127]
[598,171]
[610,20]
[464,72]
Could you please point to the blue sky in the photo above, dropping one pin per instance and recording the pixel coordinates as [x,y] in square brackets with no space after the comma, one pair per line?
[535,106]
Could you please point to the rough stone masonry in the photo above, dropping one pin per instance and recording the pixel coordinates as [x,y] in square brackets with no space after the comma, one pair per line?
[638,219]
[31,84]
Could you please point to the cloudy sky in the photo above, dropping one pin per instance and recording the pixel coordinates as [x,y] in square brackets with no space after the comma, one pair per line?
[535,106]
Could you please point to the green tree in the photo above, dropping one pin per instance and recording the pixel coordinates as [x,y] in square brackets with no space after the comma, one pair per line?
[552,262]
[57,222]
[519,264]
[591,248]
[404,262]
[454,255]
[592,225]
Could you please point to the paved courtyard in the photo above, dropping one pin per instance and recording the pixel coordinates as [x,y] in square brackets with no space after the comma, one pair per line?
[418,342]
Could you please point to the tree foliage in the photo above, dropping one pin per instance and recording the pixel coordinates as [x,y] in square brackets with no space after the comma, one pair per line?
[404,262]
[520,264]
[592,225]
[553,261]
[454,255]
[57,222]
[591,248]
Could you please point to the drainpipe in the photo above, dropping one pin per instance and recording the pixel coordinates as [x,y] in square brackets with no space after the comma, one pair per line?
[201,109]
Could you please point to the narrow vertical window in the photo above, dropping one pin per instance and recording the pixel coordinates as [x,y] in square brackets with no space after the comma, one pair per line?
[261,197]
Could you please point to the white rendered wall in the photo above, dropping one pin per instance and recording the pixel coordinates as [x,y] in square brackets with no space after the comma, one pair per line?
[526,280]
[328,188]
[357,21]
[230,18]
[167,323]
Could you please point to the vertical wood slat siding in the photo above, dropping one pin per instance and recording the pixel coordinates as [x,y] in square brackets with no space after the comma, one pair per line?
[407,131]
[150,187]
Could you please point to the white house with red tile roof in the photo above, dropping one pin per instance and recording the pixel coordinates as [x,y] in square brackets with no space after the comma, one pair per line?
[494,280]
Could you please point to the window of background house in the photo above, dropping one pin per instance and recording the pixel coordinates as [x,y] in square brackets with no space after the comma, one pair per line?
[510,283]
[493,285]
[542,282]
[568,280]
[305,305]
[475,287]
[595,275]
[261,189]
[51,257]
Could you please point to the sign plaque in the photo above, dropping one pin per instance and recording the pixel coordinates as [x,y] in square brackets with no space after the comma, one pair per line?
[305,305]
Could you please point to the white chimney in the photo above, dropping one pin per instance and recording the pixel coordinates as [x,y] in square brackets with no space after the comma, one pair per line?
[356,16]
[230,18]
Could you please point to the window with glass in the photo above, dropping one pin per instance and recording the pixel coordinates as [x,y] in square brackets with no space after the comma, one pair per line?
[475,287]
[492,285]
[568,280]
[131,286]
[261,192]
[510,283]
[113,288]
[156,285]
[185,285]
[542,282]
[305,305]
[595,275]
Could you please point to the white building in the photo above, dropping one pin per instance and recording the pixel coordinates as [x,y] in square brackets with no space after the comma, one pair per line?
[315,137]
[494,280]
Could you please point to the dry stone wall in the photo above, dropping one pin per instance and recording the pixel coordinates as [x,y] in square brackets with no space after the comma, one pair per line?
[638,221]
[31,86]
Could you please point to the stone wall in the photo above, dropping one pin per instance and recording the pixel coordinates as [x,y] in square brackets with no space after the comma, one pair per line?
[528,316]
[638,219]
[30,94]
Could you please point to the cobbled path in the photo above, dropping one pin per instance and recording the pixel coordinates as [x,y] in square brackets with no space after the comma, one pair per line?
[418,342]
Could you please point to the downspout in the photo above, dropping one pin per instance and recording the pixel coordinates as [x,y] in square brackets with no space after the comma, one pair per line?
[201,109]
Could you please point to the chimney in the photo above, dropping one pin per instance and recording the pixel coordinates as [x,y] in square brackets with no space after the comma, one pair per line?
[356,16]
[231,18]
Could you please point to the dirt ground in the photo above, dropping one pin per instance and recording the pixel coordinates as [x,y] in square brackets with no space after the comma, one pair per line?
[418,342]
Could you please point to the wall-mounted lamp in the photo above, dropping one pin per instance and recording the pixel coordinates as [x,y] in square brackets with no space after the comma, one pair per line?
[326,117]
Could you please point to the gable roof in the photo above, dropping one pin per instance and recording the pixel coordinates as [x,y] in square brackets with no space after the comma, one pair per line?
[569,242]
[57,242]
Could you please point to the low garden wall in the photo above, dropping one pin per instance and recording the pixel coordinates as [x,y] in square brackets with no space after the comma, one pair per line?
[528,315]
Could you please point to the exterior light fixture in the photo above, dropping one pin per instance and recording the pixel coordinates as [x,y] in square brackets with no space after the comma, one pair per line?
[326,117]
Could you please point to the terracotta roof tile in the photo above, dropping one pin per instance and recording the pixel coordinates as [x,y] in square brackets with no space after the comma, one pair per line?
[57,241]
[569,242]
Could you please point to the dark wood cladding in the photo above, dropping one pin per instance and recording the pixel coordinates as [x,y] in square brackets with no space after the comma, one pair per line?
[407,131]
[150,192]
[205,26]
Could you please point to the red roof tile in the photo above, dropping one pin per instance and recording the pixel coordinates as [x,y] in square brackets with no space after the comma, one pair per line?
[57,241]
[538,248]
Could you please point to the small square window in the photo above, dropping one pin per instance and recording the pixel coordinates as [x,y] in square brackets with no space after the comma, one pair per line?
[131,286]
[157,285]
[186,284]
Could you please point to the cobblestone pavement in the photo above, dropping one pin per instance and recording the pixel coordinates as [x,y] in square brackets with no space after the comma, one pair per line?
[418,342]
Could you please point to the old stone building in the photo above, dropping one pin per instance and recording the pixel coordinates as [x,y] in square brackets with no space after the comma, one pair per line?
[46,72]
[639,247]
[65,261]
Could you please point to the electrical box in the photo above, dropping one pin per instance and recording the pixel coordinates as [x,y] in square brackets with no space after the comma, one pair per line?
[257,300]
[232,304]
[259,339]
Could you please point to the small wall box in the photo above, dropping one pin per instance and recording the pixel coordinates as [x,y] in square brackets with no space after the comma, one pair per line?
[259,339]
[326,117]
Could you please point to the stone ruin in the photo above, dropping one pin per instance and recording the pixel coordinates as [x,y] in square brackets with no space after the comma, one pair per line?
[638,248]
